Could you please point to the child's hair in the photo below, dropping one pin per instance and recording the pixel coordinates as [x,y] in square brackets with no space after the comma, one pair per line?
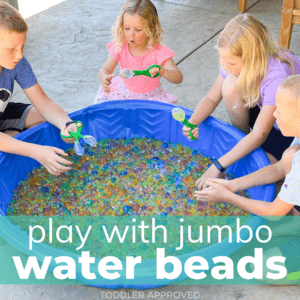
[11,19]
[292,85]
[146,10]
[247,38]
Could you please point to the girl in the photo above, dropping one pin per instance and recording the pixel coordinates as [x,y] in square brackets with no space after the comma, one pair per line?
[252,67]
[137,45]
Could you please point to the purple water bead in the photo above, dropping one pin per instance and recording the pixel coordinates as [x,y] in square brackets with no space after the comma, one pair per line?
[169,209]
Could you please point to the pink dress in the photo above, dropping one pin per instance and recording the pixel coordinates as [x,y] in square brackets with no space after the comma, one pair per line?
[138,87]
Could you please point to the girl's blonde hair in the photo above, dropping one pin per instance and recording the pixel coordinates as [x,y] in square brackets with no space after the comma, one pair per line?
[152,27]
[247,38]
[11,19]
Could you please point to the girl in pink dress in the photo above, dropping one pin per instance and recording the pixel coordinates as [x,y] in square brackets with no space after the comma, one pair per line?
[137,45]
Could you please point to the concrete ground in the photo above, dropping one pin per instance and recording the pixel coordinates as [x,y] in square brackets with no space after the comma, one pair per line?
[66,48]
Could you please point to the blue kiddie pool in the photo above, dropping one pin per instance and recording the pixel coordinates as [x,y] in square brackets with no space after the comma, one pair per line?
[130,119]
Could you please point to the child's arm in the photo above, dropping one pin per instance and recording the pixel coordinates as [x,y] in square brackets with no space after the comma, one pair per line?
[250,142]
[54,114]
[49,110]
[45,155]
[269,174]
[217,193]
[105,74]
[169,71]
[205,107]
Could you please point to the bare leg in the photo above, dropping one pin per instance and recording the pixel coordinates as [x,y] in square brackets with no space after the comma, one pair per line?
[33,118]
[238,113]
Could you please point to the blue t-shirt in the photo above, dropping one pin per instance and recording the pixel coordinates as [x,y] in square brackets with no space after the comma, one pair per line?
[24,76]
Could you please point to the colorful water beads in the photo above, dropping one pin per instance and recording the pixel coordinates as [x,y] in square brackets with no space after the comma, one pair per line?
[140,176]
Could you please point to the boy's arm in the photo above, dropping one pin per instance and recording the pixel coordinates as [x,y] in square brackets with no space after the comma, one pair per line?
[47,156]
[50,111]
[217,193]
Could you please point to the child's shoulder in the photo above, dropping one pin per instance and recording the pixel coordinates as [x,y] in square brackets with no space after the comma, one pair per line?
[162,50]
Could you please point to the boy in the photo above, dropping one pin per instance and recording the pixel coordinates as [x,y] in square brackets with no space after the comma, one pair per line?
[15,117]
[287,115]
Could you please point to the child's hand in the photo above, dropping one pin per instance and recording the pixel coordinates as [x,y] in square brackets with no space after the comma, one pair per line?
[211,172]
[154,71]
[215,192]
[186,132]
[228,184]
[106,82]
[65,131]
[50,159]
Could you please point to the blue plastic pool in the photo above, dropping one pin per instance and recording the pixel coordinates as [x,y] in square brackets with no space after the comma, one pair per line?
[129,119]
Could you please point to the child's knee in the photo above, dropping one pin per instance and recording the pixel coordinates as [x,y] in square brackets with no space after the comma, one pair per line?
[33,118]
[229,89]
[287,158]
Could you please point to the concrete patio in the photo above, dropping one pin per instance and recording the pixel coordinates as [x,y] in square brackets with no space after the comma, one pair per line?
[66,48]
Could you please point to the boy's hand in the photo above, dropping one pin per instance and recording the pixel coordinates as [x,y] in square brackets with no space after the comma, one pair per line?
[65,131]
[186,132]
[106,82]
[155,71]
[211,172]
[49,158]
[215,192]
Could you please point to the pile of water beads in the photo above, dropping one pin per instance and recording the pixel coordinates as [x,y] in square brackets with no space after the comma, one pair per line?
[124,177]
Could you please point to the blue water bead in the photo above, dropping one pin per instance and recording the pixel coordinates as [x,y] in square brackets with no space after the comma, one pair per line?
[156,176]
[165,145]
[126,208]
[167,194]
[190,201]
[124,173]
[178,181]
[155,158]
[161,164]
[107,147]
[164,214]
[169,209]
[45,189]
[94,172]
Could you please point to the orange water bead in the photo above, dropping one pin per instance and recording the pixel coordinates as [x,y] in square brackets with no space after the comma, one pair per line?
[135,207]
[83,213]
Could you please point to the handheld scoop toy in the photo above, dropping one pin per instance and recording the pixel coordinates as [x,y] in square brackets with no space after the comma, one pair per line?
[90,140]
[179,115]
[126,73]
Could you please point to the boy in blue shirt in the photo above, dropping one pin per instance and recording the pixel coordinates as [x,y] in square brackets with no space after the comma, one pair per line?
[287,116]
[15,117]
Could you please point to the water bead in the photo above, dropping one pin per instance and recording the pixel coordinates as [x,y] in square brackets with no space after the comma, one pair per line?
[115,179]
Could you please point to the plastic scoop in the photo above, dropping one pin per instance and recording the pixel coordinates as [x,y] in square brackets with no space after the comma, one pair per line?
[179,115]
[127,73]
[88,139]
